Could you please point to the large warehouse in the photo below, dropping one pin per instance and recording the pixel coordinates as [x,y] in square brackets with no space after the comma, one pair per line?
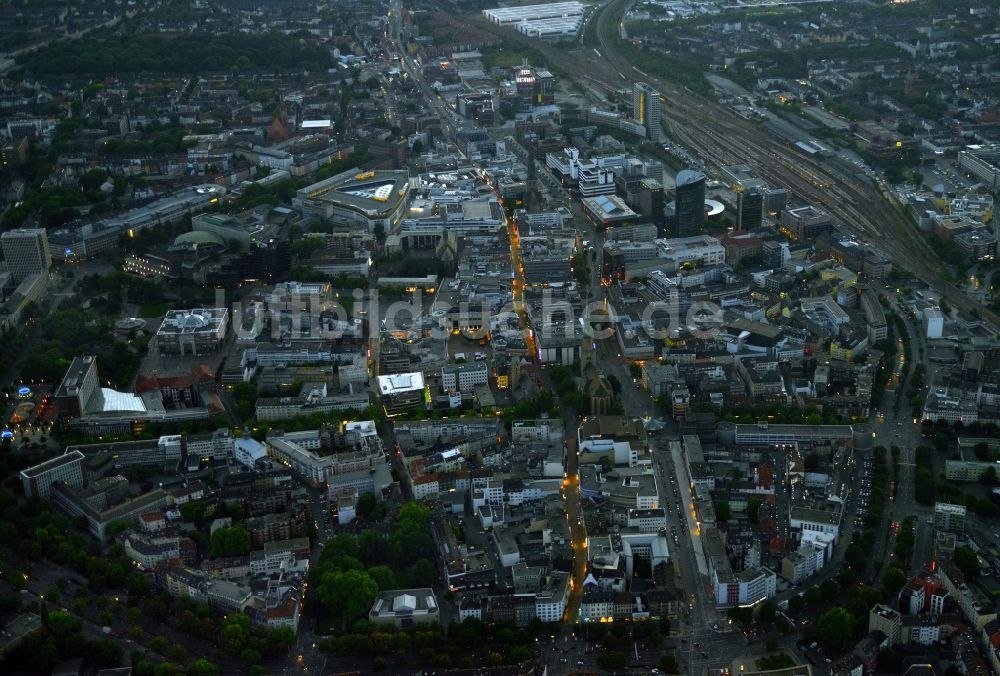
[514,15]
[367,198]
[552,29]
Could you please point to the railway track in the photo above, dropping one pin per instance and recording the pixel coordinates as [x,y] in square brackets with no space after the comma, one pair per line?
[716,134]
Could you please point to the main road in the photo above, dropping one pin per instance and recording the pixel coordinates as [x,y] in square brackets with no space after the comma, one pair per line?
[722,138]
[411,67]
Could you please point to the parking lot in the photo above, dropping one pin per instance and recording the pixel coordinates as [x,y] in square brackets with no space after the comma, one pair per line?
[864,491]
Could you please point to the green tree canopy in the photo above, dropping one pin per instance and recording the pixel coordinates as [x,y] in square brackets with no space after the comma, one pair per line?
[202,667]
[893,580]
[767,611]
[177,54]
[421,574]
[348,594]
[723,512]
[989,477]
[193,511]
[836,626]
[967,562]
[383,576]
[232,541]
[367,504]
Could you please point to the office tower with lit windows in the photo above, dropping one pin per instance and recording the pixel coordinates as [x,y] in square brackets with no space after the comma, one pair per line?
[646,109]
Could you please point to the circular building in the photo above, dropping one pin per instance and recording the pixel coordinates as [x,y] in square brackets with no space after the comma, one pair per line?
[198,242]
[689,203]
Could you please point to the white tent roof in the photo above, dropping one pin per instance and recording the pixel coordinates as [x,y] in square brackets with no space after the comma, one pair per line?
[115,401]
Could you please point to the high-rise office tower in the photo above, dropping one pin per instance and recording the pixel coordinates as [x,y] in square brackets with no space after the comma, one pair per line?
[80,389]
[749,209]
[646,109]
[26,251]
[689,203]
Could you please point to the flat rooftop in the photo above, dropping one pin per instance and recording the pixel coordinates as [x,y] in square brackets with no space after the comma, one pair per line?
[400,382]
[807,211]
[687,243]
[814,515]
[504,15]
[608,206]
[74,375]
[52,463]
[945,507]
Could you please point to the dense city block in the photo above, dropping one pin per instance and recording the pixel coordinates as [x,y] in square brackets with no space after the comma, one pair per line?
[631,336]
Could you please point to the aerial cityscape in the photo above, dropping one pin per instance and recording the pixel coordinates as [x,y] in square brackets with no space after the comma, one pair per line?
[481,337]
